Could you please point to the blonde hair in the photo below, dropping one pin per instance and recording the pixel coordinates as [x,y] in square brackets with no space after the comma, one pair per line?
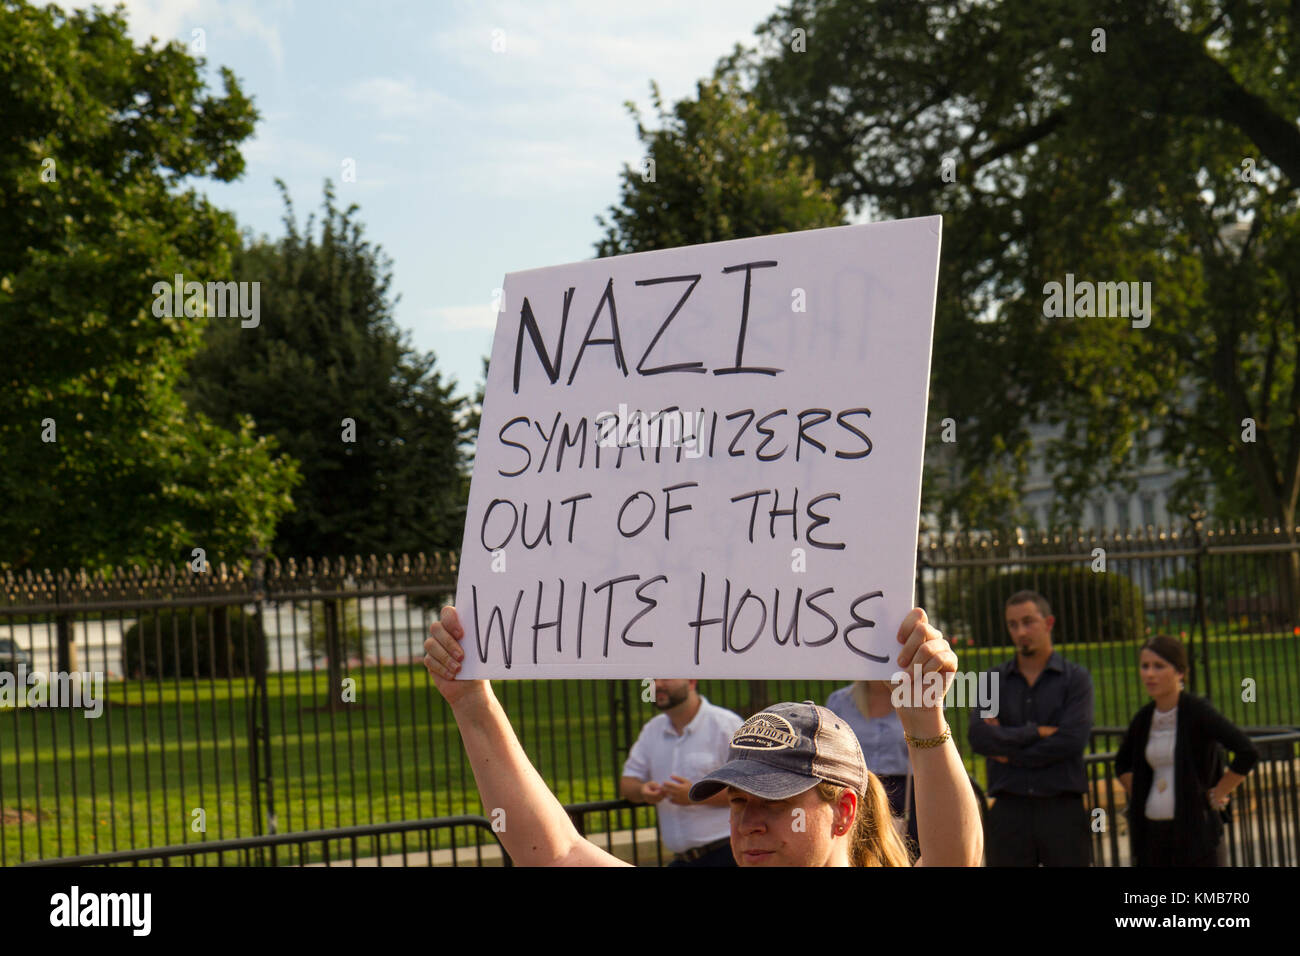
[873,841]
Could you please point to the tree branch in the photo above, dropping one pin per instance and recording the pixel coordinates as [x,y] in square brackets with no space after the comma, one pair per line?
[1291,474]
[1259,459]
[1023,139]
[1223,98]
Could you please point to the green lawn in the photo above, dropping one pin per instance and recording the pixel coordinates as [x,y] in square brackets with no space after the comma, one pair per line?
[133,777]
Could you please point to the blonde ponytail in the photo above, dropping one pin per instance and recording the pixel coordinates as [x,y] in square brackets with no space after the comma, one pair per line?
[873,841]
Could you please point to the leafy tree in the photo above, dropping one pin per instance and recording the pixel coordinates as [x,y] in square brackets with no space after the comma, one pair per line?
[474,414]
[328,373]
[722,169]
[101,463]
[1138,140]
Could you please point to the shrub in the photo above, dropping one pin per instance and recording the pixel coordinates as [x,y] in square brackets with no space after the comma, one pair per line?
[1088,605]
[176,643]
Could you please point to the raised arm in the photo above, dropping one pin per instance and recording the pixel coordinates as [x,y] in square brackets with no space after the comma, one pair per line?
[947,814]
[537,830]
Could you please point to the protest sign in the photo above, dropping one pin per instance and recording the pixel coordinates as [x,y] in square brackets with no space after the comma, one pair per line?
[704,461]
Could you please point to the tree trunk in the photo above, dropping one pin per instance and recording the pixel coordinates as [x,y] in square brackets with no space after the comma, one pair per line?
[1289,574]
[333,657]
[67,662]
[218,645]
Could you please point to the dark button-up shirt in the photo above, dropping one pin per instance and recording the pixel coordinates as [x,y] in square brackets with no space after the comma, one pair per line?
[1037,766]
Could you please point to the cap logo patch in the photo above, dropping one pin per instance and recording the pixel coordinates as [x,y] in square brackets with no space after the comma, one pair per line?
[765,732]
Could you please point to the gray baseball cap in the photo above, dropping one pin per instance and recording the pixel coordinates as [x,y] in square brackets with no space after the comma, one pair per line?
[787,749]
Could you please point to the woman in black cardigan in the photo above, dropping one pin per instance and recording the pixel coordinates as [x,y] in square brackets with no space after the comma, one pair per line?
[1172,768]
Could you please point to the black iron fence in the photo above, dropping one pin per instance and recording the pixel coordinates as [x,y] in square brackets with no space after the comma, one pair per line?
[405,843]
[237,704]
[1231,596]
[1264,829]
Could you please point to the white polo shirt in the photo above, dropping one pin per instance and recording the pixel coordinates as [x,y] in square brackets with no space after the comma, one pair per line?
[660,752]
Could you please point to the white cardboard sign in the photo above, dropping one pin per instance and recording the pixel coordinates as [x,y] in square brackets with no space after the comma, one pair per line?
[704,461]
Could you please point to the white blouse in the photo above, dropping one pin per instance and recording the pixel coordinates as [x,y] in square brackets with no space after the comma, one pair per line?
[1160,755]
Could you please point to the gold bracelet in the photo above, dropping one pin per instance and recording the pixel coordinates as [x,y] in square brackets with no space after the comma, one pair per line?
[924,742]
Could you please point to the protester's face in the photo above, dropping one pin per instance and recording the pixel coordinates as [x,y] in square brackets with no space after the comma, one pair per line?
[793,832]
[1158,674]
[670,693]
[1030,632]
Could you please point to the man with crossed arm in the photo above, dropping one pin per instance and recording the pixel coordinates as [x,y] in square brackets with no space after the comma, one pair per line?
[1035,746]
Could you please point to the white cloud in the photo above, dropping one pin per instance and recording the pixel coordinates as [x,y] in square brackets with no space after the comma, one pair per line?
[549,111]
[266,147]
[398,99]
[164,19]
[530,167]
[250,23]
[462,317]
[177,19]
[600,45]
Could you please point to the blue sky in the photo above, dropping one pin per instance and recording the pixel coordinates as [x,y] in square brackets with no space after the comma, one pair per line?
[470,162]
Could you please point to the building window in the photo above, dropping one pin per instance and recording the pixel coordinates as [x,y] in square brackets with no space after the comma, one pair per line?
[1099,515]
[1121,513]
[1148,510]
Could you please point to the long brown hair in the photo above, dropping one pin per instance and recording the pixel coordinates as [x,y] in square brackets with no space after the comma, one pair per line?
[873,840]
[1169,648]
